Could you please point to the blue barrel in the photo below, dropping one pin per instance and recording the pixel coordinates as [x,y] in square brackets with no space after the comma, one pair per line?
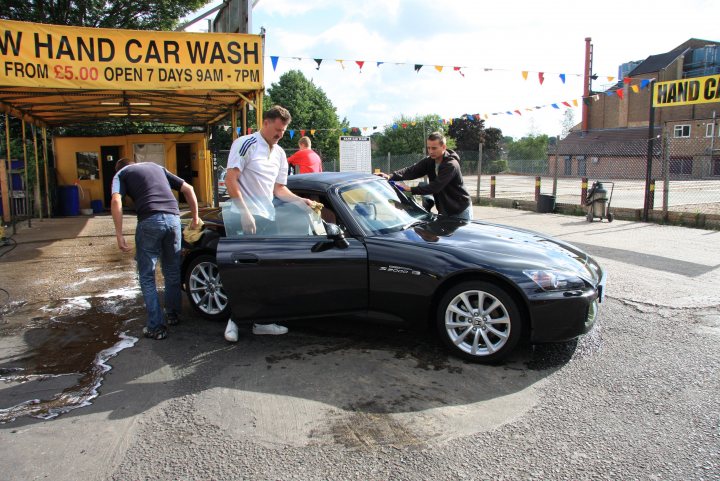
[96,206]
[69,200]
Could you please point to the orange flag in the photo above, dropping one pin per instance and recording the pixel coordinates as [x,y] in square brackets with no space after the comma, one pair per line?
[525,74]
[635,88]
[438,68]
[312,132]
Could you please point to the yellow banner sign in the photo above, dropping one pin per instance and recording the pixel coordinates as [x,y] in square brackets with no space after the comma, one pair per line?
[52,56]
[687,91]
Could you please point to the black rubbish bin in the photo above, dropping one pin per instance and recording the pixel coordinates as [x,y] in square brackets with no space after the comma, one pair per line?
[546,203]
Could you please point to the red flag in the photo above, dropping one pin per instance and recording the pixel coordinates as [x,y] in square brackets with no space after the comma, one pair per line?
[302,133]
[566,104]
[457,69]
[404,126]
[627,80]
[541,77]
[249,130]
[360,63]
[620,93]
[518,112]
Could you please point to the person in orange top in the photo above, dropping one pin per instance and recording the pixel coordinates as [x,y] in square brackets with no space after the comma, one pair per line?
[305,159]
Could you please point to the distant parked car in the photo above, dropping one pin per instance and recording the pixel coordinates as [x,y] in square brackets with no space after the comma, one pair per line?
[376,254]
[221,188]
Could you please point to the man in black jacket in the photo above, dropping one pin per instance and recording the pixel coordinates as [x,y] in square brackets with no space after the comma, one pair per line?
[442,167]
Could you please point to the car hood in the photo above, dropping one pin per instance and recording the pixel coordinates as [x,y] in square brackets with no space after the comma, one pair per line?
[499,245]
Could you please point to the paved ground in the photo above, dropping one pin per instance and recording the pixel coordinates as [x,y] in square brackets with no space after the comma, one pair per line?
[635,399]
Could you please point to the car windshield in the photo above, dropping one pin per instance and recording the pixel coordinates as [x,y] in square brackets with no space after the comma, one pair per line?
[379,208]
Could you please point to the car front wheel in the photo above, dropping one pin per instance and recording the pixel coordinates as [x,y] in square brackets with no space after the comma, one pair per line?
[205,290]
[479,322]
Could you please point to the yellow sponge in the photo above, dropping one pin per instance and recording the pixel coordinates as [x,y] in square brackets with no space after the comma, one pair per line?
[193,235]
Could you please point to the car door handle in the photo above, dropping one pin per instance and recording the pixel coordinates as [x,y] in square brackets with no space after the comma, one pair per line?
[244,258]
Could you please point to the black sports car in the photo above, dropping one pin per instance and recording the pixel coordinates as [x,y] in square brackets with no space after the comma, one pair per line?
[373,251]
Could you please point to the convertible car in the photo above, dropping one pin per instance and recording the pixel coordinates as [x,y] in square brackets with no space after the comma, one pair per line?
[372,252]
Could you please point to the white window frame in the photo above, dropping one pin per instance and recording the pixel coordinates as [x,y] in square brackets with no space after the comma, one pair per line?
[709,130]
[680,128]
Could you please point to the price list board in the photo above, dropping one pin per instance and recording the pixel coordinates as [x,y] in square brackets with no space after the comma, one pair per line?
[355,154]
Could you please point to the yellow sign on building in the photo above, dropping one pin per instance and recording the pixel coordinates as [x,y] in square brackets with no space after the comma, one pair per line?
[51,56]
[687,91]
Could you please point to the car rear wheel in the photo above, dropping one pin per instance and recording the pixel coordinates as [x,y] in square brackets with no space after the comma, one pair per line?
[205,290]
[479,322]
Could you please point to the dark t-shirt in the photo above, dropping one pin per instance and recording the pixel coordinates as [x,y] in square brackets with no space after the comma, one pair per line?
[149,186]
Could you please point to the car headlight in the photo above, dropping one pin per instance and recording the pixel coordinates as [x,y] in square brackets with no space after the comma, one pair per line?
[555,280]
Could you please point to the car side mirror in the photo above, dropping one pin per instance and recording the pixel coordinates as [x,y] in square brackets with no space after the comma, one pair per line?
[335,234]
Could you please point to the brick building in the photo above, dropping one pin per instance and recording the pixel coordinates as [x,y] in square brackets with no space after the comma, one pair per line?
[612,141]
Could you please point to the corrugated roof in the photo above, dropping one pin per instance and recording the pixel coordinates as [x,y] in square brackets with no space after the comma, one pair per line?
[655,63]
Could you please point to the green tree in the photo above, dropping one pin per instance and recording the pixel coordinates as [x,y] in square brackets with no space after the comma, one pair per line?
[468,134]
[532,147]
[407,135]
[135,14]
[310,109]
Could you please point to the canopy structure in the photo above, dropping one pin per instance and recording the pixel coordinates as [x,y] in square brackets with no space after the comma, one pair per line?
[53,76]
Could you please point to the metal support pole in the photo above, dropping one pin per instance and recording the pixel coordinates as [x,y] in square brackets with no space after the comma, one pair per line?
[45,160]
[555,171]
[7,216]
[666,175]
[479,169]
[651,145]
[25,165]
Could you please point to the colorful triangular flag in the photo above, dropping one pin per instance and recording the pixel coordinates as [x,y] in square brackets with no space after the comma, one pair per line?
[518,112]
[541,77]
[292,133]
[635,88]
[274,60]
[418,67]
[360,64]
[555,106]
[524,74]
[627,80]
[562,77]
[620,94]
[438,68]
[341,63]
[575,102]
[312,132]
[457,69]
[644,83]
[566,104]
[318,61]
[380,63]
[302,133]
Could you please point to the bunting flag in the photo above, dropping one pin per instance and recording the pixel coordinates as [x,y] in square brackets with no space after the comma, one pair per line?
[438,68]
[620,94]
[627,80]
[413,123]
[555,106]
[566,104]
[380,63]
[575,102]
[562,77]
[644,83]
[486,116]
[238,130]
[457,69]
[395,126]
[541,77]
[404,126]
[418,67]
[508,112]
[274,60]
[292,133]
[524,74]
[518,112]
[586,101]
[609,93]
[302,133]
[594,76]
[341,63]
[344,130]
[360,64]
[249,130]
[312,132]
[635,88]
[610,79]
[319,61]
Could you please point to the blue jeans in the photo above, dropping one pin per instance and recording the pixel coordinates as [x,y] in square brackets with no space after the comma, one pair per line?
[467,214]
[159,238]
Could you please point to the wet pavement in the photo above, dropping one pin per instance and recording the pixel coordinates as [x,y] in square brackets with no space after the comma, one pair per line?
[343,400]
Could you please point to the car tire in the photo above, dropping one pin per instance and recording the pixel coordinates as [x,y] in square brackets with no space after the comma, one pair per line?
[484,335]
[205,290]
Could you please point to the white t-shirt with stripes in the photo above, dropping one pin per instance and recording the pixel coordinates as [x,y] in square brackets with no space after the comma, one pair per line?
[261,167]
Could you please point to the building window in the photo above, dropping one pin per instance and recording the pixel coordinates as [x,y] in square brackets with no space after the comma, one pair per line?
[716,165]
[582,165]
[681,165]
[568,165]
[682,131]
[709,130]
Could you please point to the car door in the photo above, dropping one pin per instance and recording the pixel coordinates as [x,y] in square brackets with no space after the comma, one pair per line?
[293,272]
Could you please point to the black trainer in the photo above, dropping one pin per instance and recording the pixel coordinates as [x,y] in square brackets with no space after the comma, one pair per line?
[158,333]
[172,319]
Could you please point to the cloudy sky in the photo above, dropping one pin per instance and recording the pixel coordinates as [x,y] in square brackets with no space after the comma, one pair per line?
[493,42]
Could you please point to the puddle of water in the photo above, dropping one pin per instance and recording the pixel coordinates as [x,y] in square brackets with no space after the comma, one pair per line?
[74,343]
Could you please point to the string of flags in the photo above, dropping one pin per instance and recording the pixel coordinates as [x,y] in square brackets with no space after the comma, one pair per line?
[275,59]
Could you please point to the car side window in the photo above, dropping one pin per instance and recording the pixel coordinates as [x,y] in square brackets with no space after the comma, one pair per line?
[290,220]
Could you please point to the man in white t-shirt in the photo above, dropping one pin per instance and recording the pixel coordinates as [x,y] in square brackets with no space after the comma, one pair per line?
[256,172]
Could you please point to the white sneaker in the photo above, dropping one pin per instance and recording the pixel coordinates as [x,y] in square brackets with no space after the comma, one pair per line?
[231,331]
[271,329]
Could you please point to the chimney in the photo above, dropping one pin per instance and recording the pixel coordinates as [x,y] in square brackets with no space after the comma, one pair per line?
[587,81]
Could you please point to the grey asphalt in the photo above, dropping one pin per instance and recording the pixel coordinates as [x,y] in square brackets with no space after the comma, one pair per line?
[637,398]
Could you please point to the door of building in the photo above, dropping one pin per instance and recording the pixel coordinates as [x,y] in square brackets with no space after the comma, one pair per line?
[582,166]
[184,165]
[109,154]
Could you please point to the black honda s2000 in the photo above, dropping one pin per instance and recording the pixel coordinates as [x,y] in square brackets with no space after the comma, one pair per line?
[374,252]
